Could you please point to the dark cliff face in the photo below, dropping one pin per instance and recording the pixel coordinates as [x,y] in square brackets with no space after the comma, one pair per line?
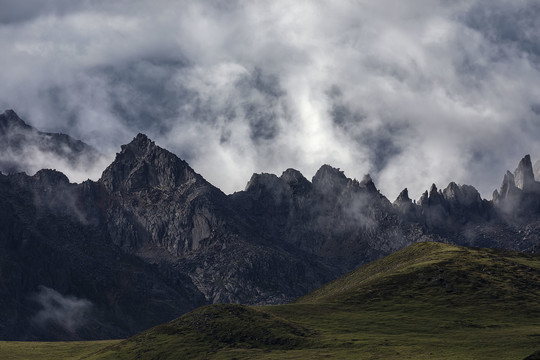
[519,196]
[346,222]
[153,239]
[142,166]
[162,211]
[169,206]
[61,277]
[339,220]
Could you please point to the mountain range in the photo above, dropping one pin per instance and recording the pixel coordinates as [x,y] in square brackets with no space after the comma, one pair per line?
[152,239]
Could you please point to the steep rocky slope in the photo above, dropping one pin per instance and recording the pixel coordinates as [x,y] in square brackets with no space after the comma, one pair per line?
[61,276]
[175,218]
[340,220]
[152,238]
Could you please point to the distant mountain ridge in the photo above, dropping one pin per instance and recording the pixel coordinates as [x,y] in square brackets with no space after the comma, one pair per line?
[25,149]
[154,230]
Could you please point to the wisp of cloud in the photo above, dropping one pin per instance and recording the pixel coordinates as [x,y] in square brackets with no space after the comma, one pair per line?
[68,312]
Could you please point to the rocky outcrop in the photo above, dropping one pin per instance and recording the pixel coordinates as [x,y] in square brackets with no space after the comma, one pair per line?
[173,207]
[524,176]
[141,166]
[152,238]
[56,256]
[9,120]
[462,196]
[177,219]
[519,196]
[405,205]
[339,220]
[296,181]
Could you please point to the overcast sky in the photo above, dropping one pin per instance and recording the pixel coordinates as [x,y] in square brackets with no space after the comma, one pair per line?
[412,92]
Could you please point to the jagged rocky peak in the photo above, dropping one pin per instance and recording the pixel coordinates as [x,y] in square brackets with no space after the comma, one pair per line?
[465,195]
[296,181]
[10,119]
[368,184]
[508,188]
[423,199]
[403,197]
[432,198]
[435,196]
[404,203]
[263,180]
[496,196]
[140,145]
[524,175]
[329,179]
[43,179]
[142,165]
[51,177]
[453,195]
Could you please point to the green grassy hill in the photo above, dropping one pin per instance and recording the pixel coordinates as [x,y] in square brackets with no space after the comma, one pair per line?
[428,301]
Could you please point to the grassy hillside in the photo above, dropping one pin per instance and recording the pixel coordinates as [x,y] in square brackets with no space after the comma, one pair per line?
[428,301]
[23,350]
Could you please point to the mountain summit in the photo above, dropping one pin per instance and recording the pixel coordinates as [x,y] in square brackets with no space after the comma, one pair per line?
[9,120]
[141,165]
[154,230]
[524,176]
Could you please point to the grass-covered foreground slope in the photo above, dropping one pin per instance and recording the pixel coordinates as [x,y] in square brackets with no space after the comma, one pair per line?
[428,301]
[24,350]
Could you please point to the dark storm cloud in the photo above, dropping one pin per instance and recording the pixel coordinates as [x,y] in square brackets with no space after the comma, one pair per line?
[378,141]
[510,26]
[13,11]
[415,93]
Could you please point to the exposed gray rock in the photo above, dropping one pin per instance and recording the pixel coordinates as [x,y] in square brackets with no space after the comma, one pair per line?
[152,238]
[339,220]
[508,187]
[296,181]
[435,197]
[519,195]
[405,205]
[176,218]
[368,184]
[141,165]
[329,180]
[423,201]
[524,175]
[52,235]
[465,196]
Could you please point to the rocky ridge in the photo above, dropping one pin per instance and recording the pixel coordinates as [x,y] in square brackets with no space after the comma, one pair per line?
[25,149]
[154,230]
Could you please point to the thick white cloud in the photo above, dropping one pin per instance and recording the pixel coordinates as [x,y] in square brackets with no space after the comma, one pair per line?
[414,93]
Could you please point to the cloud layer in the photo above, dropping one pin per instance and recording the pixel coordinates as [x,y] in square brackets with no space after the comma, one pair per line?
[427,92]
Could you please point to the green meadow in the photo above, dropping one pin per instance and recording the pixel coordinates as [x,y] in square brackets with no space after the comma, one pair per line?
[428,301]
